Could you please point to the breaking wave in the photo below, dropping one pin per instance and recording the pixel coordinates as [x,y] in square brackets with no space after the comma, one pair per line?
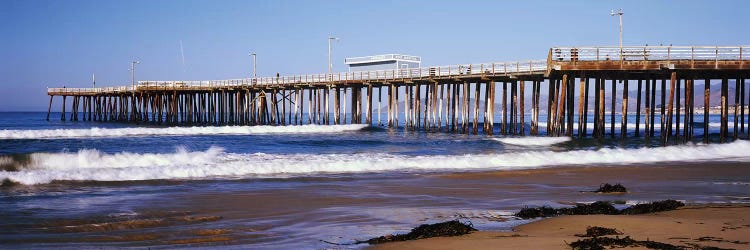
[532,141]
[214,162]
[172,131]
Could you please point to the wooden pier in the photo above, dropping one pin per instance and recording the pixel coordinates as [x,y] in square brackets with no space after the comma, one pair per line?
[456,98]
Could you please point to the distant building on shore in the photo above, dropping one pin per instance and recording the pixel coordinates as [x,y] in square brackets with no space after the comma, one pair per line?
[383,62]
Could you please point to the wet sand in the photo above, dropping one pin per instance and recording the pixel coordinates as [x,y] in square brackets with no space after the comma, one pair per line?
[724,226]
[300,212]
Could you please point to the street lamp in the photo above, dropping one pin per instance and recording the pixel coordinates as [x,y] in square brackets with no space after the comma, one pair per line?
[132,73]
[618,13]
[254,63]
[330,65]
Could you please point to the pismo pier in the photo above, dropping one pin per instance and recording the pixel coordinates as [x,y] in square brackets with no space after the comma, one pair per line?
[460,98]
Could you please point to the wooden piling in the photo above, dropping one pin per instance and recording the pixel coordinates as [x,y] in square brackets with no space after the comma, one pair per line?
[597,85]
[537,95]
[571,106]
[653,108]
[735,133]
[521,108]
[475,124]
[624,119]
[561,104]
[62,117]
[677,110]
[369,104]
[581,101]
[490,88]
[612,110]
[663,109]
[672,84]
[638,109]
[742,106]
[504,124]
[724,111]
[601,107]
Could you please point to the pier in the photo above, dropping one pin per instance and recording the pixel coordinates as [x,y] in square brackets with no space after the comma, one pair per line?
[455,98]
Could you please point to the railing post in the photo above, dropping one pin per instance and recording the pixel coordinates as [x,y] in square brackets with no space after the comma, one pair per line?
[692,56]
[530,67]
[669,55]
[716,62]
[597,53]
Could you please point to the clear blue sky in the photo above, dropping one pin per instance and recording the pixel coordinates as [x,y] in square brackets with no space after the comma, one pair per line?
[55,43]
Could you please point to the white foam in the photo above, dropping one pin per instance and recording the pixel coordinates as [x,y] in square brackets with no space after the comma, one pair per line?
[631,125]
[532,141]
[215,163]
[126,132]
[5,160]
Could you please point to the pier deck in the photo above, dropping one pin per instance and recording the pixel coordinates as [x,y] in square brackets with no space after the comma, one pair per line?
[440,97]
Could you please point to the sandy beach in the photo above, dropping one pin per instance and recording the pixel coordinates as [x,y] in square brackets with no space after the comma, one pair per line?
[724,226]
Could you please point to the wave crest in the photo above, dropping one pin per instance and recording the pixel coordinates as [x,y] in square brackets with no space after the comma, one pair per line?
[532,141]
[214,162]
[172,131]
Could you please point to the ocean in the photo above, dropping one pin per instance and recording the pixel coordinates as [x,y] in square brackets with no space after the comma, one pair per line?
[91,184]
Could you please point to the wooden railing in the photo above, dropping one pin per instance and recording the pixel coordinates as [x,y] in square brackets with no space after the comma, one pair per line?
[650,53]
[90,90]
[460,70]
[488,69]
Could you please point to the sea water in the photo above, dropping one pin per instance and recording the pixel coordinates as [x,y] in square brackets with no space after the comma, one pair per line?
[69,184]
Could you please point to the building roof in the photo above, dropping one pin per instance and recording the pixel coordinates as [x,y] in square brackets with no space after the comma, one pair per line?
[382,58]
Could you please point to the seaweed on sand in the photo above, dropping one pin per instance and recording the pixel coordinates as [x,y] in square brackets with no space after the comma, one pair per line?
[528,213]
[608,188]
[599,207]
[596,243]
[653,207]
[599,231]
[448,228]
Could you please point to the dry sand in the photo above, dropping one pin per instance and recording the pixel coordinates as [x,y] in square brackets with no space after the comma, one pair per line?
[725,226]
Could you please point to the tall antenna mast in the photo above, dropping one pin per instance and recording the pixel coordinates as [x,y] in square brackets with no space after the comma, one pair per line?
[182,57]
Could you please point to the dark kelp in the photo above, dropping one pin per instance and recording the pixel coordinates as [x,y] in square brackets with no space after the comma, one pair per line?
[599,207]
[608,188]
[597,243]
[599,231]
[448,228]
[653,207]
[528,213]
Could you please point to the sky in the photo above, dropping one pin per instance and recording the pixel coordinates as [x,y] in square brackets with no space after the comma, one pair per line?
[62,43]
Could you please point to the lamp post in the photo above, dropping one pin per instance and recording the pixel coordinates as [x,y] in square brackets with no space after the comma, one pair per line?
[132,74]
[618,13]
[330,65]
[255,75]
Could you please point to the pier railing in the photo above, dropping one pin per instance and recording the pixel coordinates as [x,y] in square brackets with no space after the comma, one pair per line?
[461,70]
[650,53]
[90,90]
